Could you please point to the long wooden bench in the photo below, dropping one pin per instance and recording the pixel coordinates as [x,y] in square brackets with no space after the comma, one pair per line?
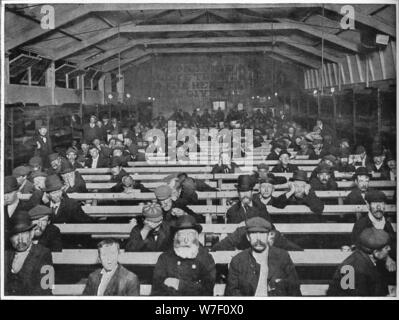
[218,290]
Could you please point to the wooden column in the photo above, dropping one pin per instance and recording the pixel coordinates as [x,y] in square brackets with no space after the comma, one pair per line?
[50,81]
[6,69]
[101,87]
[334,98]
[29,76]
[318,105]
[379,112]
[307,110]
[82,79]
[354,117]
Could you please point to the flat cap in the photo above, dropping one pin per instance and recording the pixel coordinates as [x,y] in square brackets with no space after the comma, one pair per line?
[115,162]
[373,239]
[153,212]
[53,156]
[21,171]
[35,161]
[263,166]
[323,168]
[330,157]
[360,150]
[284,151]
[39,211]
[163,192]
[258,224]
[36,174]
[71,150]
[361,171]
[268,179]
[375,196]
[10,184]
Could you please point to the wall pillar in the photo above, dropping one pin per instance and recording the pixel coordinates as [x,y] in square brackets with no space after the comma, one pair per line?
[50,80]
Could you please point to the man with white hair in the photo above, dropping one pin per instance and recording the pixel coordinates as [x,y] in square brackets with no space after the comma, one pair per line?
[187,269]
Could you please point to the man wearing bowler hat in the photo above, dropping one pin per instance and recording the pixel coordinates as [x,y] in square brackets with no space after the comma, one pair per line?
[357,194]
[378,167]
[358,275]
[375,218]
[21,173]
[73,181]
[284,165]
[27,263]
[152,234]
[187,269]
[304,195]
[45,233]
[65,210]
[323,181]
[261,270]
[246,208]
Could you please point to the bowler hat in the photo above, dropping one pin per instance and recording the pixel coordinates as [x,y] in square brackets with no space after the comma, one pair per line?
[21,171]
[115,162]
[258,224]
[20,222]
[361,171]
[153,212]
[284,151]
[330,157]
[263,166]
[360,150]
[245,183]
[375,196]
[267,179]
[163,192]
[299,175]
[35,161]
[377,152]
[71,150]
[10,184]
[53,183]
[38,174]
[66,167]
[186,222]
[323,168]
[39,211]
[373,239]
[53,156]
[317,141]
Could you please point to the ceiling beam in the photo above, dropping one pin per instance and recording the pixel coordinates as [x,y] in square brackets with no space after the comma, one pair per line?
[137,54]
[314,51]
[367,20]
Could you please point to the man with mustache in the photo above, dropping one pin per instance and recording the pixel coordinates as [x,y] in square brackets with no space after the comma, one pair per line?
[358,193]
[73,181]
[187,269]
[246,208]
[285,165]
[26,263]
[323,181]
[261,270]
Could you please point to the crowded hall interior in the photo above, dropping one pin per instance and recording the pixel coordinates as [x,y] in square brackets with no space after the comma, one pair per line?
[199,149]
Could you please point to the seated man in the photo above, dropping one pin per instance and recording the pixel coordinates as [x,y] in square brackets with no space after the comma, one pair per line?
[324,180]
[153,234]
[199,184]
[73,181]
[72,155]
[362,275]
[285,165]
[391,163]
[187,191]
[195,273]
[306,150]
[343,163]
[65,210]
[131,147]
[263,173]
[277,147]
[56,163]
[97,160]
[375,218]
[171,209]
[131,186]
[357,194]
[304,195]
[245,208]
[26,263]
[112,279]
[36,164]
[45,233]
[117,173]
[265,194]
[21,173]
[225,165]
[262,269]
[378,168]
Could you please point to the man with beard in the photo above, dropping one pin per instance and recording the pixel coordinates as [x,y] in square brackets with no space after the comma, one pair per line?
[360,268]
[375,218]
[56,163]
[187,269]
[357,194]
[261,270]
[112,279]
[26,263]
[306,150]
[343,163]
[304,195]
[285,165]
[153,234]
[72,155]
[45,233]
[73,181]
[245,208]
[170,208]
[323,181]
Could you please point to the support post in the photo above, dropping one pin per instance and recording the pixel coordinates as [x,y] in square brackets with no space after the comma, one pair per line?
[50,81]
[354,116]
[6,69]
[379,112]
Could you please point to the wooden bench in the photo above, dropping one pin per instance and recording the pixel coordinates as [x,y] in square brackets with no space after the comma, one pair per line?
[218,290]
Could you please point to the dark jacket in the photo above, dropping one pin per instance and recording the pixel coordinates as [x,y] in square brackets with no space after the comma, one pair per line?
[70,211]
[167,215]
[279,202]
[196,276]
[290,168]
[244,274]
[162,243]
[367,280]
[345,168]
[102,162]
[27,282]
[44,150]
[383,170]
[309,152]
[237,214]
[80,185]
[272,156]
[51,238]
[354,197]
[311,201]
[224,169]
[122,283]
[29,188]
[89,134]
[316,185]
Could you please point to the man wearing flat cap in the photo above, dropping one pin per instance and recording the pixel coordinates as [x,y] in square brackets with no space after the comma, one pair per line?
[358,275]
[246,208]
[361,179]
[112,279]
[21,173]
[284,165]
[152,233]
[170,208]
[97,159]
[26,263]
[261,270]
[73,181]
[56,163]
[45,233]
[72,155]
[117,173]
[36,163]
[376,200]
[343,163]
[304,195]
[306,150]
[187,269]
[324,180]
[378,168]
[265,194]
